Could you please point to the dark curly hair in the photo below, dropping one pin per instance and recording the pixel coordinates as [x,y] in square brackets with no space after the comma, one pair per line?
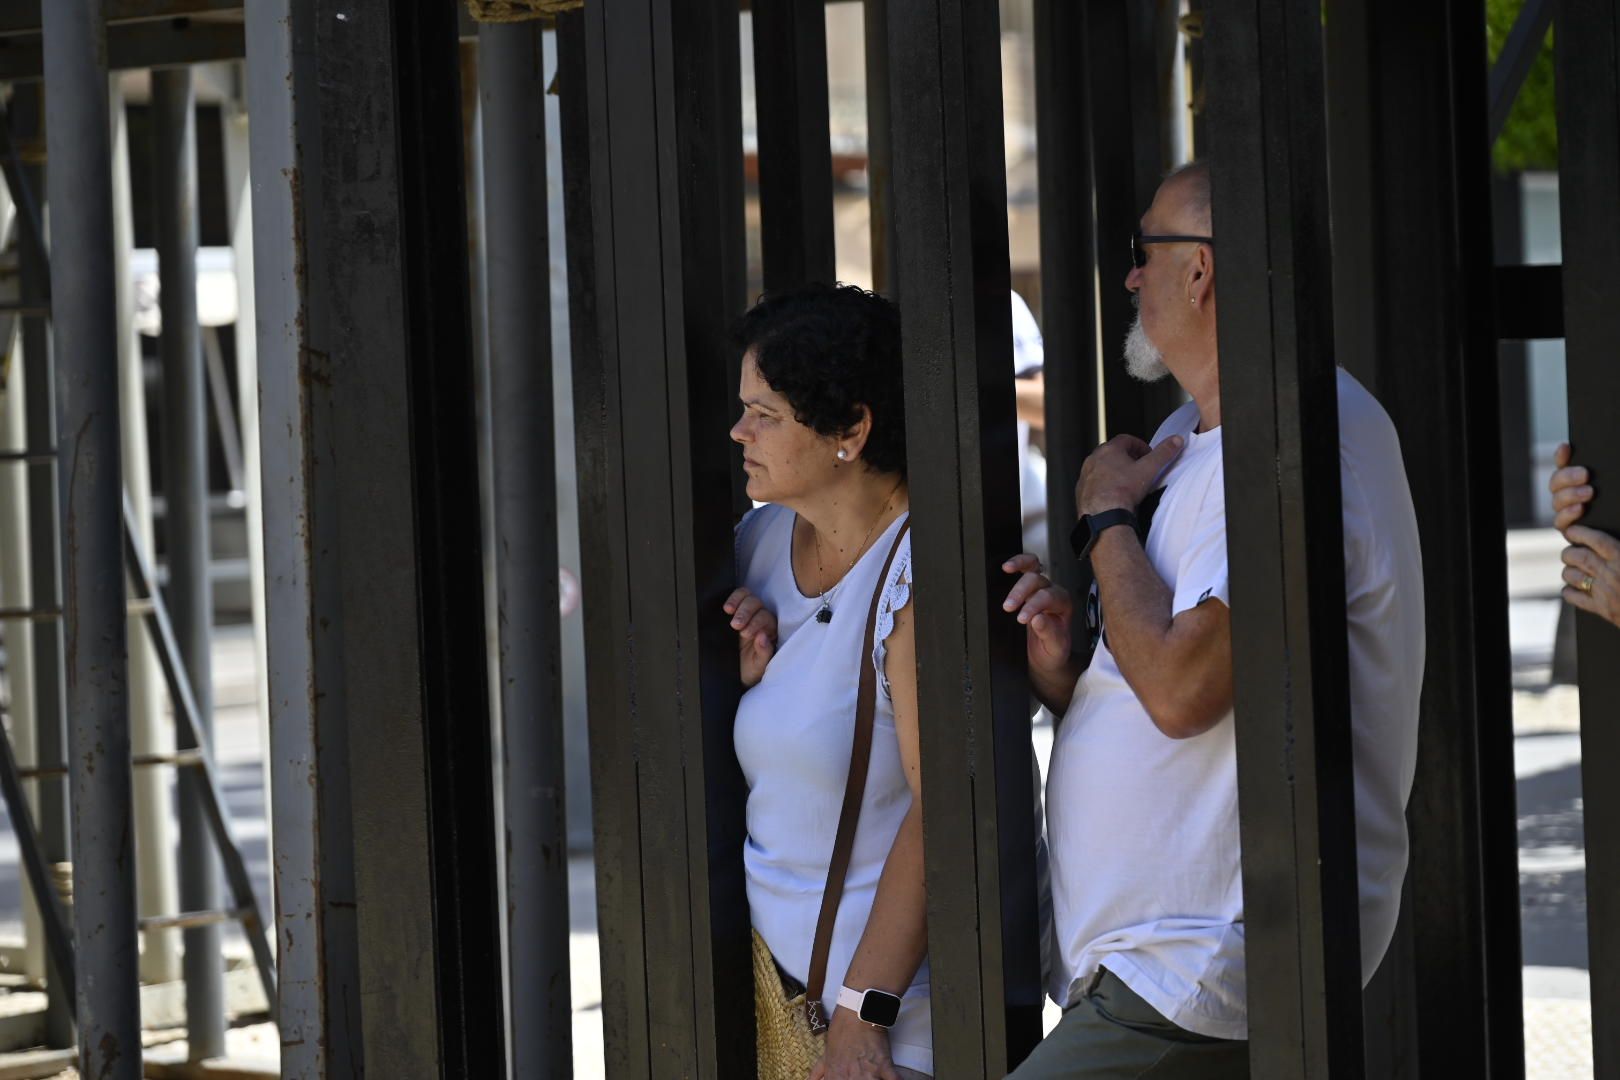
[830,349]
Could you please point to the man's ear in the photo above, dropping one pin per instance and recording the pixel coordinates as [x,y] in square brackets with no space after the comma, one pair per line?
[1201,274]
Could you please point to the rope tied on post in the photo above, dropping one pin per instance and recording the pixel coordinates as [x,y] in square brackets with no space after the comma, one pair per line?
[510,11]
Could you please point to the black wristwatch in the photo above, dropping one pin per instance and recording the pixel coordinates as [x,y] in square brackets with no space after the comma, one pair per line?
[1091,526]
[876,1007]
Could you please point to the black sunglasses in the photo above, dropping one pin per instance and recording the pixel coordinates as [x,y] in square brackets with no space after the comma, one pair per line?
[1139,242]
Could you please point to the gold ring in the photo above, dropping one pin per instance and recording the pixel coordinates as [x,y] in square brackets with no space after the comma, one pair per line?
[1586,584]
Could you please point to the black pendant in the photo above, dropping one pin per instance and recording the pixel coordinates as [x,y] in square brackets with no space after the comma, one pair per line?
[824,615]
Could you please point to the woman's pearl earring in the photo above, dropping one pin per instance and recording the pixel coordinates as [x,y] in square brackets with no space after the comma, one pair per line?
[843,455]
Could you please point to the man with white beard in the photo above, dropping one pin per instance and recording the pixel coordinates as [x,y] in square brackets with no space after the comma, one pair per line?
[1141,798]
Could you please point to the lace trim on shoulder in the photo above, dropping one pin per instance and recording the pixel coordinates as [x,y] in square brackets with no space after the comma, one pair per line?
[896,595]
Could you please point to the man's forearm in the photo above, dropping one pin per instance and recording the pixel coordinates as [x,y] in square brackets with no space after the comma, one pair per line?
[1136,608]
[1055,689]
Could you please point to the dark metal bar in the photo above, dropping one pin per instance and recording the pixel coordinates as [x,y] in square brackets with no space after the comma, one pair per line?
[1127,166]
[219,396]
[186,526]
[879,146]
[795,158]
[26,457]
[77,134]
[1410,166]
[22,17]
[604,541]
[1068,270]
[44,515]
[1519,486]
[1529,302]
[440,380]
[144,45]
[951,264]
[193,733]
[511,81]
[1589,159]
[25,189]
[1518,56]
[665,169]
[317,918]
[1289,650]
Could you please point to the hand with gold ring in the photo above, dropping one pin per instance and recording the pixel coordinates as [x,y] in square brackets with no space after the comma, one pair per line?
[1592,560]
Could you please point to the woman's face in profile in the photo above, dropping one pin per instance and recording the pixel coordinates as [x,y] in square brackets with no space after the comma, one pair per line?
[782,457]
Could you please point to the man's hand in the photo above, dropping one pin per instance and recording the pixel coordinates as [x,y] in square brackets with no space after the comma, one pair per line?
[1571,490]
[756,634]
[1046,609]
[1119,474]
[855,1051]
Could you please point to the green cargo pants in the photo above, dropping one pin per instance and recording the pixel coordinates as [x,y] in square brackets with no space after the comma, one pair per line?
[1112,1034]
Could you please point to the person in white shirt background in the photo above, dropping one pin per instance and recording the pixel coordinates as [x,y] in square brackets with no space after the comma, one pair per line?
[1141,797]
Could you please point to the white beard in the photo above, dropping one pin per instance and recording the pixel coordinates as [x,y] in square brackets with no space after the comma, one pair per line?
[1143,360]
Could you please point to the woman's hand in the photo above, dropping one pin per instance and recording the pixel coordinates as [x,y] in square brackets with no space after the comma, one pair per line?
[1592,572]
[1046,609]
[855,1051]
[756,634]
[1571,490]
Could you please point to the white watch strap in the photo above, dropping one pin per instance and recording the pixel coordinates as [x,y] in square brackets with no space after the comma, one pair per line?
[851,999]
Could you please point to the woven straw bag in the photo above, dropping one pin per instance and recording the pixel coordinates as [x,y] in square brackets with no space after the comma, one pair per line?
[505,11]
[792,1031]
[788,1049]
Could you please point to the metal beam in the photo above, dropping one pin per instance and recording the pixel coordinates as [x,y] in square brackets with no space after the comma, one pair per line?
[186,527]
[1518,56]
[1589,160]
[1068,271]
[1528,302]
[1405,95]
[1289,650]
[140,45]
[22,16]
[383,785]
[657,140]
[77,134]
[1128,162]
[45,555]
[951,266]
[511,84]
[795,157]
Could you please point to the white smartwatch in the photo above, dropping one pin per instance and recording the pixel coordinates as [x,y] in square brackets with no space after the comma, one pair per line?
[876,1007]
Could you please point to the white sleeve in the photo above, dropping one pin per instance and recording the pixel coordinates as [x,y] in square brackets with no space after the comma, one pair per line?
[1201,574]
[896,595]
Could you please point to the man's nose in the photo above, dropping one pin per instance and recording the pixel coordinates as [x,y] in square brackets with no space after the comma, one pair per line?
[1133,279]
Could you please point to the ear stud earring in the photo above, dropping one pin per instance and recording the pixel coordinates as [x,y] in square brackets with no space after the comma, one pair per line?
[843,455]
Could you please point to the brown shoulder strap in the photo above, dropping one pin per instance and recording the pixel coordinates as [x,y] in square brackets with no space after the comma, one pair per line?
[860,757]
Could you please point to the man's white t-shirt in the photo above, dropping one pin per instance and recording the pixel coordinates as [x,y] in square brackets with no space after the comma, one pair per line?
[1143,829]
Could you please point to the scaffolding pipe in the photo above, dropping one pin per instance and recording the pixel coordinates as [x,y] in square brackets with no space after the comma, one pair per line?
[511,80]
[185,486]
[86,336]
[44,558]
[152,731]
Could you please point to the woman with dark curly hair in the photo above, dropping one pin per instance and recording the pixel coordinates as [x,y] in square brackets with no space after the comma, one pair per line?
[824,575]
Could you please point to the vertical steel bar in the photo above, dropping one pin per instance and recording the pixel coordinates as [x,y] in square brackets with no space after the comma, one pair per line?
[1289,648]
[1068,270]
[656,394]
[879,146]
[186,528]
[45,554]
[1120,61]
[511,81]
[615,808]
[84,309]
[1409,90]
[1589,161]
[952,268]
[795,157]
[316,936]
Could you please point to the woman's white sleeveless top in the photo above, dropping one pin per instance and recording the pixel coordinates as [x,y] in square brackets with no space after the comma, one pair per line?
[793,736]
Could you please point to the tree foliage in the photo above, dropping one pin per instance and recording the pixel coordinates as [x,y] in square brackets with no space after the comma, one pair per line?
[1529,139]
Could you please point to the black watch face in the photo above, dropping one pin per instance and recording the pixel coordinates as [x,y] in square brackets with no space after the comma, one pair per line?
[880,1008]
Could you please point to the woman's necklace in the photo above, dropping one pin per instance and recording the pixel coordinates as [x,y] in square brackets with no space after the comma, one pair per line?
[824,613]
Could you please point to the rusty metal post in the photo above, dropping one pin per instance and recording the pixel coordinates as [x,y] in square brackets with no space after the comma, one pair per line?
[84,309]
